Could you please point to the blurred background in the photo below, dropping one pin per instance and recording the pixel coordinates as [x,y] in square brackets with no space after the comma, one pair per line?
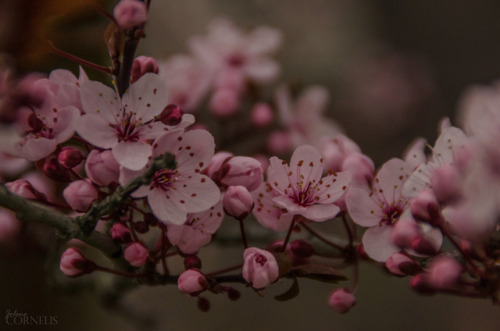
[393,68]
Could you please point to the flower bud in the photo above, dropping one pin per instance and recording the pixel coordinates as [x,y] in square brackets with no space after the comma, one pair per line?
[130,14]
[401,265]
[260,267]
[237,202]
[203,304]
[102,168]
[302,248]
[141,227]
[445,182]
[231,79]
[425,207]
[142,65]
[136,254]
[69,157]
[53,170]
[171,115]
[80,194]
[219,158]
[192,282]
[423,246]
[192,261]
[342,300]
[261,115]
[232,293]
[444,273]
[360,166]
[224,102]
[120,233]
[404,232]
[73,264]
[336,150]
[24,189]
[420,283]
[241,170]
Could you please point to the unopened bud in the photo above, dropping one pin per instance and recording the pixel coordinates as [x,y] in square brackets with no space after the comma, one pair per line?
[401,264]
[224,102]
[445,182]
[141,227]
[69,157]
[136,254]
[24,189]
[261,115]
[80,194]
[232,293]
[425,207]
[73,264]
[444,272]
[237,202]
[120,233]
[54,171]
[342,300]
[203,304]
[241,170]
[171,115]
[421,284]
[404,232]
[423,246]
[130,14]
[192,282]
[142,65]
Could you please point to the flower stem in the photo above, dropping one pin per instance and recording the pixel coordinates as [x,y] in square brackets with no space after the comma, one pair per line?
[243,234]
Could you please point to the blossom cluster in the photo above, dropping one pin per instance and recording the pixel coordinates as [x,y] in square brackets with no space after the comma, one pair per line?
[76,145]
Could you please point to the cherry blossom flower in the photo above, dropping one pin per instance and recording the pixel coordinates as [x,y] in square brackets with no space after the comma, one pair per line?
[125,125]
[228,48]
[380,208]
[300,190]
[197,231]
[260,267]
[304,119]
[173,193]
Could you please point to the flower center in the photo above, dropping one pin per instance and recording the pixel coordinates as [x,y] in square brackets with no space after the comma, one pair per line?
[128,129]
[164,179]
[260,259]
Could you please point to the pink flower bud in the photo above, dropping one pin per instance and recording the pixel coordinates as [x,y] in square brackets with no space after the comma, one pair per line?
[260,267]
[192,282]
[130,14]
[302,248]
[73,264]
[216,163]
[279,142]
[80,194]
[342,300]
[242,170]
[53,170]
[261,115]
[420,283]
[445,183]
[230,79]
[192,261]
[171,115]
[360,166]
[404,232]
[336,150]
[24,189]
[102,168]
[120,233]
[142,65]
[237,202]
[136,254]
[444,272]
[401,265]
[69,157]
[424,246]
[425,207]
[224,102]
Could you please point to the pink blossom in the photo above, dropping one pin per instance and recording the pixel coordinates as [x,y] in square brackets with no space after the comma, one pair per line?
[342,300]
[260,267]
[197,231]
[279,142]
[336,150]
[125,125]
[24,189]
[80,194]
[224,102]
[304,119]
[130,14]
[226,46]
[401,264]
[261,115]
[74,264]
[141,65]
[380,208]
[173,193]
[192,282]
[187,80]
[241,170]
[237,202]
[300,188]
[120,233]
[69,157]
[136,254]
[102,168]
[424,205]
[444,272]
[219,159]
